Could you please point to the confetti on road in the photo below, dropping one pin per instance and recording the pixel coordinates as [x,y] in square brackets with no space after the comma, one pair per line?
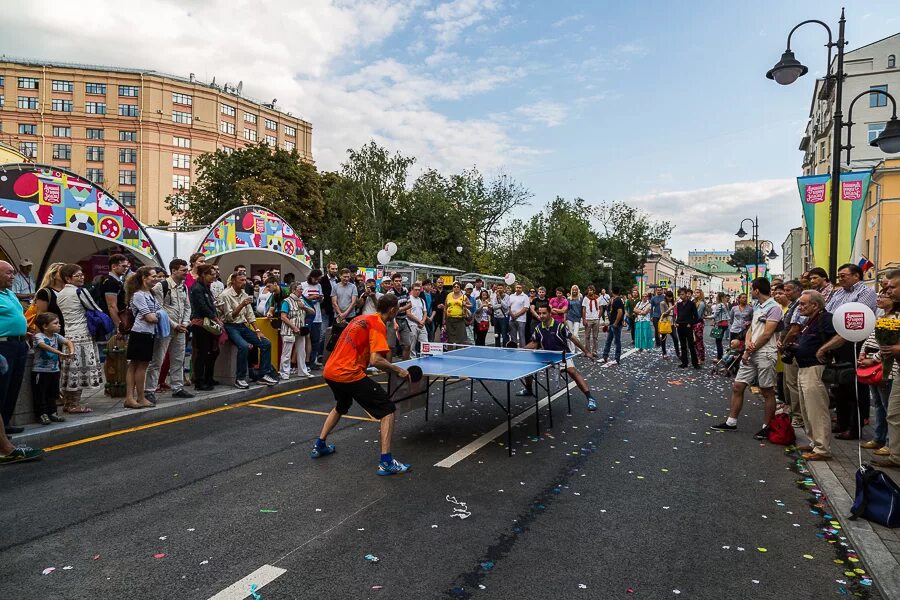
[48,570]
[159,555]
[371,558]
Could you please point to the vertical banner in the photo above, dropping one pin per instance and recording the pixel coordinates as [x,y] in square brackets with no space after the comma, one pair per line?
[641,283]
[815,194]
[854,189]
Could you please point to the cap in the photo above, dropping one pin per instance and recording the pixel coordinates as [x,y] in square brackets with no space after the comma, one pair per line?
[469,286]
[25,263]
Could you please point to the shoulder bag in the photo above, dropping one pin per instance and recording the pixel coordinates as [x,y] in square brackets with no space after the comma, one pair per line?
[98,322]
[877,498]
[872,375]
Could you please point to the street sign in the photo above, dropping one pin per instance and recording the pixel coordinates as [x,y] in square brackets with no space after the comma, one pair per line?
[663,283]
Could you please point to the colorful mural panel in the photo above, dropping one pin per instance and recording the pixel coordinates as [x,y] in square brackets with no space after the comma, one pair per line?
[40,195]
[251,227]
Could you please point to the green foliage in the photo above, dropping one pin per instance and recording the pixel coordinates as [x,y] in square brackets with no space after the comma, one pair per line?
[744,256]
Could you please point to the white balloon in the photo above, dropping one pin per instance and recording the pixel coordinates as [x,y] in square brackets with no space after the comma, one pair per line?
[391,248]
[383,257]
[854,321]
[509,278]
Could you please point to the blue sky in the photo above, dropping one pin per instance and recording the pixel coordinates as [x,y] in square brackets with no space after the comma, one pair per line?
[661,104]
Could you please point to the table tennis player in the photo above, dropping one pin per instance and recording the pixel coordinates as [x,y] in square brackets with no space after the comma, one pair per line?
[363,344]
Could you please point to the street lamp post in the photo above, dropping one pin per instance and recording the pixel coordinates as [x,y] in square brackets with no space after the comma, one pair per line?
[324,252]
[787,71]
[754,222]
[607,264]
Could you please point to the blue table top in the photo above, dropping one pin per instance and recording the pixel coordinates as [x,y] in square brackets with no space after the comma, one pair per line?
[487,362]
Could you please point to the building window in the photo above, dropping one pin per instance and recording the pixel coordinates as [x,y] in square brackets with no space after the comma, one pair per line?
[94,134]
[270,140]
[62,151]
[227,110]
[127,177]
[28,83]
[62,132]
[181,182]
[95,108]
[95,153]
[1,101]
[95,175]
[128,110]
[226,149]
[61,105]
[2,80]
[182,99]
[27,129]
[248,118]
[250,134]
[95,88]
[127,155]
[226,127]
[270,124]
[823,149]
[876,100]
[181,142]
[892,63]
[29,149]
[289,146]
[291,131]
[182,117]
[130,91]
[181,161]
[127,136]
[28,102]
[875,130]
[61,86]
[127,199]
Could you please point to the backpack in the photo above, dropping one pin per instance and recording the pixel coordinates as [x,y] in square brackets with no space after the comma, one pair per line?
[780,430]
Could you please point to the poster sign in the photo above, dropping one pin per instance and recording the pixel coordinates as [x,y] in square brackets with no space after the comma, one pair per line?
[433,348]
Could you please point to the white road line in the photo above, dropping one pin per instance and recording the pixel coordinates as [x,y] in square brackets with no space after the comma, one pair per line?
[485,439]
[241,589]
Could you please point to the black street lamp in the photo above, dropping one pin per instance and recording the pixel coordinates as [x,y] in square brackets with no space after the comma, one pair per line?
[888,141]
[787,71]
[754,222]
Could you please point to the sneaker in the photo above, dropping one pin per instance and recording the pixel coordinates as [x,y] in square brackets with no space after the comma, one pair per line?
[601,361]
[762,434]
[797,422]
[592,404]
[392,468]
[524,392]
[182,393]
[56,418]
[613,363]
[284,376]
[45,420]
[319,452]
[150,396]
[21,454]
[241,384]
[724,426]
[269,380]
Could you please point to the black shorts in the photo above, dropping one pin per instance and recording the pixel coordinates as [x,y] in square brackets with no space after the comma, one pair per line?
[140,346]
[367,392]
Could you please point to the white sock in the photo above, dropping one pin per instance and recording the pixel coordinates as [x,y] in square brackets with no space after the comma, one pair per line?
[731,421]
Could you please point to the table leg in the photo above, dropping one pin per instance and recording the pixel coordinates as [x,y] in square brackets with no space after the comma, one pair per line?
[443,395]
[537,417]
[427,396]
[568,396]
[508,419]
[549,404]
[471,390]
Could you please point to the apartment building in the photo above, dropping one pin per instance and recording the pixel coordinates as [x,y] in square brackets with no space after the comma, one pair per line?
[134,132]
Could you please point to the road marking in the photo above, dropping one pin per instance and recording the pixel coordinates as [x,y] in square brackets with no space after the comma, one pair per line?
[486,439]
[241,589]
[310,412]
[182,418]
[628,353]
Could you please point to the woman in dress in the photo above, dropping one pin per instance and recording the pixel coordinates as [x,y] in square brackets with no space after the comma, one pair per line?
[667,313]
[46,298]
[146,310]
[457,311]
[700,301]
[720,314]
[483,312]
[643,327]
[84,370]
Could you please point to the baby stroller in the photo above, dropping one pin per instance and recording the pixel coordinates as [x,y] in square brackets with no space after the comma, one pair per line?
[729,364]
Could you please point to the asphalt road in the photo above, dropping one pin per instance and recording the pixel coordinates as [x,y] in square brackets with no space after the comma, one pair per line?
[637,500]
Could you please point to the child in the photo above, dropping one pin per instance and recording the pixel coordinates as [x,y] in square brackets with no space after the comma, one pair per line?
[731,361]
[45,371]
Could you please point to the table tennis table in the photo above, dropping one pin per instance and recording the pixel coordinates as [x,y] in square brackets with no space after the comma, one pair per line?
[481,364]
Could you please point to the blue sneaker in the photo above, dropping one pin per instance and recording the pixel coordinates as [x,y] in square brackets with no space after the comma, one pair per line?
[592,404]
[392,468]
[318,452]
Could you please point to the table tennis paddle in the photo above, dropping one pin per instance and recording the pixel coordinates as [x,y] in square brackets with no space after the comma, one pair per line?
[415,373]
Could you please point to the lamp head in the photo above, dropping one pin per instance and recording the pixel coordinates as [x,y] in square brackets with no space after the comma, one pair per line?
[772,255]
[889,139]
[741,233]
[787,70]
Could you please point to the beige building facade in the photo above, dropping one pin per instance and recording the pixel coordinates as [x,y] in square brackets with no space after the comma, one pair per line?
[134,132]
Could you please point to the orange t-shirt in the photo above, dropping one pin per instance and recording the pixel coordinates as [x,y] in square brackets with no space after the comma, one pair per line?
[350,359]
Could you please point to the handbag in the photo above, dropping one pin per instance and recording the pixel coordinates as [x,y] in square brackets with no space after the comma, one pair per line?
[839,373]
[665,327]
[877,498]
[98,322]
[483,325]
[211,326]
[723,324]
[718,332]
[872,375]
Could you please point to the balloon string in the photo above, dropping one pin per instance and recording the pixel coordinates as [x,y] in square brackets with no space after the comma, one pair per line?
[858,410]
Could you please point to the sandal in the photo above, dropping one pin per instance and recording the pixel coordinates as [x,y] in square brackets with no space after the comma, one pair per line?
[145,404]
[134,405]
[78,409]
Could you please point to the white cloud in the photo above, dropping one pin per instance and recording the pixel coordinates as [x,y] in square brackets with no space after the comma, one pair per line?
[549,114]
[567,20]
[450,19]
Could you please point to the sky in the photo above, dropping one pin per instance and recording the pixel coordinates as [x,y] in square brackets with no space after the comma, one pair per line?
[660,104]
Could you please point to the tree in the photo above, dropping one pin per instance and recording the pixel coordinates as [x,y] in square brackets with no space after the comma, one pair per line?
[744,256]
[627,235]
[273,178]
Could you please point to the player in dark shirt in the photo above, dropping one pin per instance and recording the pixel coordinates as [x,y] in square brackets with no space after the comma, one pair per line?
[552,335]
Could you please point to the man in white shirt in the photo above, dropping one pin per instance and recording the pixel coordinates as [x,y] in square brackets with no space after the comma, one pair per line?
[23,283]
[603,298]
[172,294]
[519,303]
[413,332]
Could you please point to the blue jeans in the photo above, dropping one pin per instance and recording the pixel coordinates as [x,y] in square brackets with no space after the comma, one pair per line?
[242,337]
[880,395]
[501,331]
[15,353]
[319,349]
[615,332]
[316,341]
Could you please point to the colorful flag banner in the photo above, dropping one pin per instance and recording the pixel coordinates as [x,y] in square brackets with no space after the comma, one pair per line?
[854,189]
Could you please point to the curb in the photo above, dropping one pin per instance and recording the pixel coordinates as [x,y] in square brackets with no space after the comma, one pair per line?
[168,408]
[882,565]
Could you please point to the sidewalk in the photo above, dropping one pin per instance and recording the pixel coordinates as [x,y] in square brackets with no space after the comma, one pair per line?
[109,414]
[878,546]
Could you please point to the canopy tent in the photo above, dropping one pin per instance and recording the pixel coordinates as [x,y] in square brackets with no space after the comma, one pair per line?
[48,214]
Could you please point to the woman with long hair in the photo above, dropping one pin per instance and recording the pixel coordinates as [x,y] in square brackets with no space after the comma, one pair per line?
[146,311]
[700,301]
[205,343]
[643,327]
[667,313]
[573,314]
[720,315]
[46,298]
[483,312]
[83,370]
[741,316]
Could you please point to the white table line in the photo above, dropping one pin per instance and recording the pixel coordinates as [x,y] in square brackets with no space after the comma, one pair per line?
[241,589]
